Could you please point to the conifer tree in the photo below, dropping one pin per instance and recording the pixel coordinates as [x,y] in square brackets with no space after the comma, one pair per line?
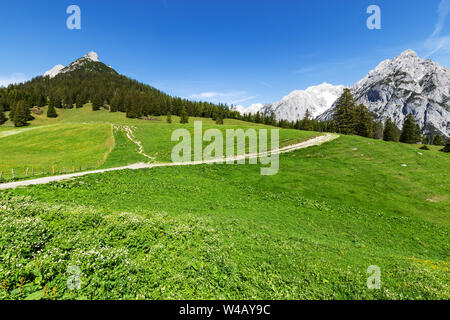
[3,117]
[21,114]
[365,124]
[97,102]
[169,118]
[79,101]
[438,141]
[306,123]
[447,146]
[409,131]
[184,118]
[51,112]
[390,131]
[219,118]
[345,113]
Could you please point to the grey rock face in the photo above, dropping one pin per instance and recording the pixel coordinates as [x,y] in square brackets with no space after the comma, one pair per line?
[406,84]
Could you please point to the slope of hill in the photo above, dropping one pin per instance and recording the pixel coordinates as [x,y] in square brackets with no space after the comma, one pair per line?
[315,99]
[407,84]
[309,232]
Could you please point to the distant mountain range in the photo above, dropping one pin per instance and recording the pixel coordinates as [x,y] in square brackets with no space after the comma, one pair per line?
[396,87]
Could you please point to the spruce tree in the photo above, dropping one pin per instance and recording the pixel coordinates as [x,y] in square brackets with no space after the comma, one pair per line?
[306,123]
[169,118]
[219,118]
[21,114]
[390,131]
[447,146]
[409,131]
[184,118]
[97,102]
[3,118]
[79,101]
[345,113]
[364,124]
[438,141]
[51,112]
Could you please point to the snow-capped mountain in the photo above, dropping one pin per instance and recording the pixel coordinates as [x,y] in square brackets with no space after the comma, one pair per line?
[54,71]
[406,84]
[316,99]
[90,57]
[252,109]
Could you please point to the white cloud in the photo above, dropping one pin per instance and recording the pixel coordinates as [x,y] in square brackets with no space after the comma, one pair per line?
[252,109]
[435,42]
[13,78]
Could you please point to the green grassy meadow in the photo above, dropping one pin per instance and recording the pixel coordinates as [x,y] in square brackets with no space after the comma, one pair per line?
[81,138]
[227,232]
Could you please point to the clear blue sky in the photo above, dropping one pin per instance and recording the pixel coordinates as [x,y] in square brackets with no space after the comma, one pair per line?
[235,51]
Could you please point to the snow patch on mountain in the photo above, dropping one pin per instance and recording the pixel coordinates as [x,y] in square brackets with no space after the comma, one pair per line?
[252,109]
[315,99]
[54,71]
[406,84]
[91,56]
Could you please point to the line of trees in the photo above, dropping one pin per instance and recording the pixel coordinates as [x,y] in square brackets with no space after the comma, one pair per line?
[352,119]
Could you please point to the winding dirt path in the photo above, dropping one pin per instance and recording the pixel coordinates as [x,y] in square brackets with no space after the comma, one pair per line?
[305,144]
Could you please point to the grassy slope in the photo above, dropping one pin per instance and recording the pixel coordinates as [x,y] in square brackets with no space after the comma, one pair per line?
[75,145]
[309,232]
[62,146]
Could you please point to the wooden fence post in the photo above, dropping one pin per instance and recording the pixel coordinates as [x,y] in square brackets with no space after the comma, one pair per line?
[12,172]
[53,169]
[26,173]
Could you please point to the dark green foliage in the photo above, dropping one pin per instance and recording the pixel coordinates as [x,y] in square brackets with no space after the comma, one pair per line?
[390,132]
[409,131]
[169,118]
[55,101]
[378,130]
[115,103]
[51,112]
[424,147]
[184,118]
[364,124]
[219,119]
[447,146]
[79,101]
[97,102]
[3,118]
[438,141]
[21,114]
[306,124]
[345,113]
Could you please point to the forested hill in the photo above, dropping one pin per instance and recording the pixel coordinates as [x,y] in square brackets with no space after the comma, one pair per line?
[86,80]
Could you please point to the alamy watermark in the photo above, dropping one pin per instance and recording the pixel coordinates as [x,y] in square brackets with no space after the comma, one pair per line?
[74,279]
[235,147]
[73,22]
[374,20]
[374,280]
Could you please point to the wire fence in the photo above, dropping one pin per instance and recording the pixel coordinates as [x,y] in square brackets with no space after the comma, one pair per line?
[22,173]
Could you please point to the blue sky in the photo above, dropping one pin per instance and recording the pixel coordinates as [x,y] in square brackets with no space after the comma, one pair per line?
[234,51]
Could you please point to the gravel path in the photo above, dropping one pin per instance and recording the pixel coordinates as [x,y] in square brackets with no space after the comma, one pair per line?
[305,144]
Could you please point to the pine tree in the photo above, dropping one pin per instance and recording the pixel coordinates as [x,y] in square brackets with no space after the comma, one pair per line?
[365,124]
[51,112]
[345,113]
[79,101]
[390,131]
[97,102]
[219,118]
[419,136]
[306,123]
[115,104]
[378,130]
[409,131]
[21,114]
[3,118]
[184,118]
[438,141]
[447,146]
[169,118]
